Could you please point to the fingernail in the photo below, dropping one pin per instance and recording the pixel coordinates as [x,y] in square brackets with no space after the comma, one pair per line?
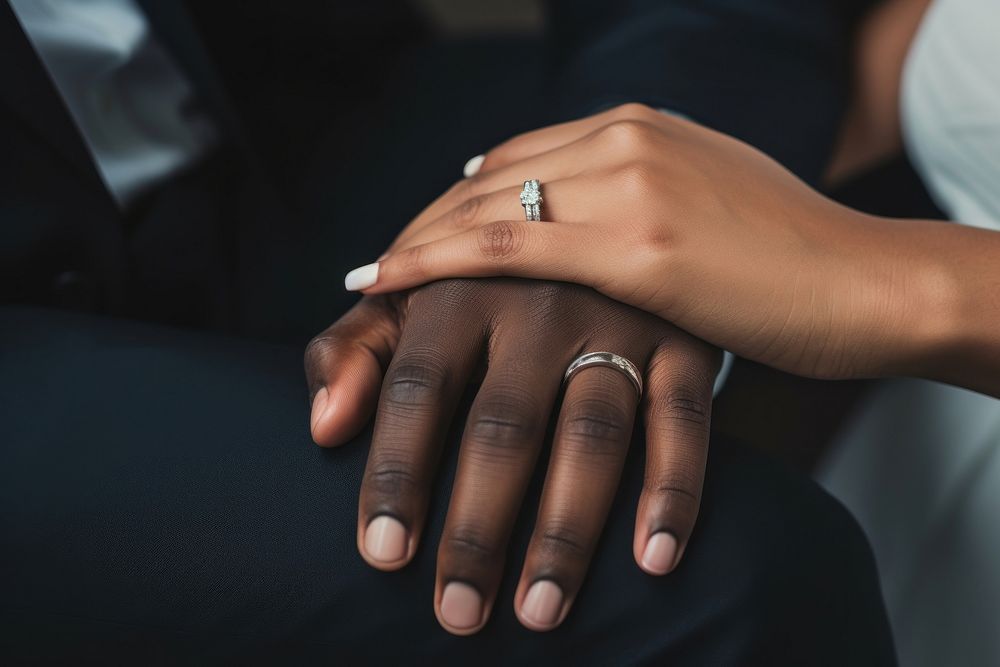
[660,553]
[361,277]
[473,166]
[318,406]
[542,604]
[461,605]
[385,539]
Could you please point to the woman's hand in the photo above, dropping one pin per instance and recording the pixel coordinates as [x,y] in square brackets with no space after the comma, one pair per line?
[429,344]
[698,228]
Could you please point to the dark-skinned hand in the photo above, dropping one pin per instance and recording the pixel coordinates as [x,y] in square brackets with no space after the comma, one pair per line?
[412,355]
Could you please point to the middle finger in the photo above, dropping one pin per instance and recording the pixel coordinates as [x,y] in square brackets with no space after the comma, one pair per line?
[503,435]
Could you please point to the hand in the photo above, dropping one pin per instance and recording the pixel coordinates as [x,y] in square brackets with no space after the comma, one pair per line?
[430,343]
[696,227]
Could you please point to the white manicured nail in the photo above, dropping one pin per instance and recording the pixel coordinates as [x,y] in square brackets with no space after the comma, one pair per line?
[473,166]
[361,277]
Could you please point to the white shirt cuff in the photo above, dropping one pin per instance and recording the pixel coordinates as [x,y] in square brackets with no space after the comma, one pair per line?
[723,374]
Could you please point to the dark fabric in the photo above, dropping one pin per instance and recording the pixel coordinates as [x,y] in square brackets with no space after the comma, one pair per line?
[770,72]
[161,500]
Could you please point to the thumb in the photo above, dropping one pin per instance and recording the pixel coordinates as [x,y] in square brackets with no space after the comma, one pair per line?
[345,365]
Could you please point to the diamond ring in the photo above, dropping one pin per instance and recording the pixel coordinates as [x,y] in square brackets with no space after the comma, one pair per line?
[531,200]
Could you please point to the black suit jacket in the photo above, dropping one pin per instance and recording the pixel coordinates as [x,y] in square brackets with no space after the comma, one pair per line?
[64,240]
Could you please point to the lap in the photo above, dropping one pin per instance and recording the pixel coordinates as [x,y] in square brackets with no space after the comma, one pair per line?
[161,498]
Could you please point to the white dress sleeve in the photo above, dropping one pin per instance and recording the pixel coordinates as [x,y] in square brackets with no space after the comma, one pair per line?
[950,108]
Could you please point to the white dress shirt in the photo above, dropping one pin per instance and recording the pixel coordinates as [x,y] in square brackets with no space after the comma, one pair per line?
[131,103]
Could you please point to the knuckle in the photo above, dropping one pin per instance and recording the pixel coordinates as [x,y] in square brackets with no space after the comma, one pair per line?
[411,260]
[683,405]
[626,136]
[501,241]
[391,478]
[468,211]
[633,110]
[597,425]
[505,420]
[688,409]
[415,380]
[319,348]
[559,539]
[471,544]
[677,494]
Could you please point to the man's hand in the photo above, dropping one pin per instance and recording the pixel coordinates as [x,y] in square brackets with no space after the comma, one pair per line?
[430,343]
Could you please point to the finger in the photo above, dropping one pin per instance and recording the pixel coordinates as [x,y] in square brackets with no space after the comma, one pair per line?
[344,367]
[563,163]
[576,252]
[618,139]
[588,451]
[677,414]
[421,388]
[562,200]
[500,446]
[614,138]
[550,138]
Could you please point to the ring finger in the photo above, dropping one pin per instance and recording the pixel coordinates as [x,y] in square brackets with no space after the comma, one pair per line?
[562,163]
[561,200]
[591,441]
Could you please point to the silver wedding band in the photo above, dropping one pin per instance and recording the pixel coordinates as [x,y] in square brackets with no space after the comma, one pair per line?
[531,200]
[610,360]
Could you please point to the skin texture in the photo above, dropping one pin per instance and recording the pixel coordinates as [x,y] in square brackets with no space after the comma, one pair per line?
[712,235]
[518,337]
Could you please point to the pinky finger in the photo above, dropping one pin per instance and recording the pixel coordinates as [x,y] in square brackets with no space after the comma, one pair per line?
[678,405]
[567,252]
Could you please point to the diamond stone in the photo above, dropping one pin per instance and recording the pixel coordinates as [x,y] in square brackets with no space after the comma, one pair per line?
[531,195]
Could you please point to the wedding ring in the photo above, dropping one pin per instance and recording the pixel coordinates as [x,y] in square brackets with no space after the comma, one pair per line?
[610,360]
[531,200]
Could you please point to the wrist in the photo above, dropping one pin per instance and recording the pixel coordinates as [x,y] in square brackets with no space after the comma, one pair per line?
[925,302]
[958,341]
